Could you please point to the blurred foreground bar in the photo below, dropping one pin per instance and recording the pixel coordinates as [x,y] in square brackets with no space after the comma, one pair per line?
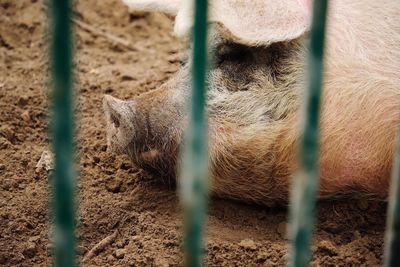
[194,168]
[63,197]
[302,204]
[392,244]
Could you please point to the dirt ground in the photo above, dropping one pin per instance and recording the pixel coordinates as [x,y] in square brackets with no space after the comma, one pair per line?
[112,194]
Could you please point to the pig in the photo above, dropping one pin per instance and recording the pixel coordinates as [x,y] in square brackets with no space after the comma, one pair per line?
[256,88]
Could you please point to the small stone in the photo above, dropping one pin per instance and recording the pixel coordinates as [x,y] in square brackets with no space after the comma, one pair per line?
[248,244]
[45,161]
[25,116]
[2,167]
[94,71]
[120,253]
[30,250]
[282,229]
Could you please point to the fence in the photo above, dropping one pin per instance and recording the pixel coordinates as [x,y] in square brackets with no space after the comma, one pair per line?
[194,167]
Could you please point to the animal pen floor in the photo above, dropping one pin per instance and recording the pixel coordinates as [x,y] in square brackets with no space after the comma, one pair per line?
[111,193]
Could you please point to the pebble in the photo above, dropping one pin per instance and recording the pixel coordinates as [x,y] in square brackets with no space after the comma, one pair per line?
[45,161]
[248,244]
[25,116]
[120,253]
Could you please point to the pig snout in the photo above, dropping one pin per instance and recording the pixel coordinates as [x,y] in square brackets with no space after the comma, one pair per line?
[120,116]
[146,129]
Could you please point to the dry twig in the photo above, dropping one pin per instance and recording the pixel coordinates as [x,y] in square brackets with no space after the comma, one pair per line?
[110,37]
[101,246]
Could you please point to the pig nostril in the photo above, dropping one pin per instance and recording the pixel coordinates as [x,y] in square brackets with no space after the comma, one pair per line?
[115,120]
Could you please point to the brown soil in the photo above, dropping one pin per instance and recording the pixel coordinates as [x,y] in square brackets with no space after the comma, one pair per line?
[112,193]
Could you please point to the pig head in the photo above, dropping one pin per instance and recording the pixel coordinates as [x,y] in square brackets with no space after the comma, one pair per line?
[149,128]
[255,88]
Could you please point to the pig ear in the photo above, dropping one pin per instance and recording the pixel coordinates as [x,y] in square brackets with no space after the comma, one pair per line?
[252,22]
[167,6]
[117,111]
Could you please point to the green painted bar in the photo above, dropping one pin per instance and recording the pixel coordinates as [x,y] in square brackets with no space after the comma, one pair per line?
[62,127]
[302,204]
[392,244]
[194,163]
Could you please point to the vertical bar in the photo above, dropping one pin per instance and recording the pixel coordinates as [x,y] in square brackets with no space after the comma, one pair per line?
[392,239]
[306,181]
[63,199]
[194,168]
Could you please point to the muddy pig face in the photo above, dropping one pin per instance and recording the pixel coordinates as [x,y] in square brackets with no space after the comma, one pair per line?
[252,85]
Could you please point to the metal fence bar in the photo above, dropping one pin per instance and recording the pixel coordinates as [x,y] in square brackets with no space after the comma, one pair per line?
[63,199]
[392,242]
[194,168]
[306,182]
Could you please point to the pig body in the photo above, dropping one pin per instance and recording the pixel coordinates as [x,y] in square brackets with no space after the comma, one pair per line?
[256,88]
